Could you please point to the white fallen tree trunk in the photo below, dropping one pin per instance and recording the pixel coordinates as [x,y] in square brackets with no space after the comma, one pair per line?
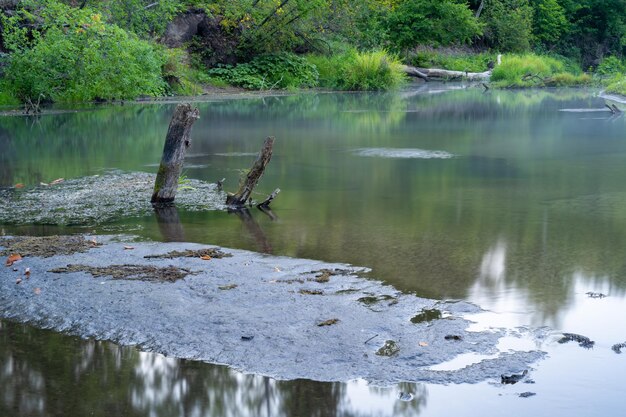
[436,73]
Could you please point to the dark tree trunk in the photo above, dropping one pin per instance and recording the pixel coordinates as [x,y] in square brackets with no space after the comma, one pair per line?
[176,144]
[241,197]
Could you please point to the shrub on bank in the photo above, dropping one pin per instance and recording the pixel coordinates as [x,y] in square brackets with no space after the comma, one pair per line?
[80,58]
[366,71]
[530,70]
[272,71]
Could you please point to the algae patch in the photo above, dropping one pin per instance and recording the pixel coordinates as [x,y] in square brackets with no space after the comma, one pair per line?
[45,247]
[129,272]
[390,348]
[426,316]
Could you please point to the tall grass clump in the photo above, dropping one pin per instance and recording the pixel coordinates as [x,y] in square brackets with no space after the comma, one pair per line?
[359,71]
[530,70]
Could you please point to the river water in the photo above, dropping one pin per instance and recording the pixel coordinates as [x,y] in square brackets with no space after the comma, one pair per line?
[512,200]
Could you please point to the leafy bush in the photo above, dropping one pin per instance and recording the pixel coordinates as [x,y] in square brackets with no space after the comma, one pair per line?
[80,58]
[617,85]
[182,79]
[283,70]
[610,66]
[375,70]
[533,70]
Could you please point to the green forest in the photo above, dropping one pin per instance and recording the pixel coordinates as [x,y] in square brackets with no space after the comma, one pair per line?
[102,50]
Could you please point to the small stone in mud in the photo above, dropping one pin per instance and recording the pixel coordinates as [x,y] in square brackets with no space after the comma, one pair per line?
[426,315]
[247,338]
[45,246]
[583,341]
[390,348]
[595,294]
[513,378]
[227,287]
[188,253]
[527,394]
[328,322]
[617,348]
[130,272]
[310,292]
[453,337]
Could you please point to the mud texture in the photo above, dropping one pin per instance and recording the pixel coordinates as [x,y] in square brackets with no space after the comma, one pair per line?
[138,272]
[256,313]
[45,246]
[98,199]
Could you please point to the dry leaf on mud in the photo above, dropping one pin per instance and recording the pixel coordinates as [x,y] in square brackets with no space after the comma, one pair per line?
[57,181]
[14,257]
[423,344]
[17,281]
[205,258]
[129,247]
[27,272]
[44,184]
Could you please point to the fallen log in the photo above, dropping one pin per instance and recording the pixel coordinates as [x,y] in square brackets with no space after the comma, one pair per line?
[176,143]
[429,73]
[241,197]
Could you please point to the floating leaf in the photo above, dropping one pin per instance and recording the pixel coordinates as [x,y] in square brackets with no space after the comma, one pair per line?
[14,257]
[205,258]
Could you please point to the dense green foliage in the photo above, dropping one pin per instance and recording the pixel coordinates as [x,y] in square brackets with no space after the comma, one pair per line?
[79,58]
[427,22]
[76,50]
[271,71]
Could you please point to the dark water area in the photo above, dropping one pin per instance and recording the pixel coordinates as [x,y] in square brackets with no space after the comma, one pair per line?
[507,199]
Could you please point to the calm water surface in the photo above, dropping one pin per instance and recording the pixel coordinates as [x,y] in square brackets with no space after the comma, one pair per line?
[500,198]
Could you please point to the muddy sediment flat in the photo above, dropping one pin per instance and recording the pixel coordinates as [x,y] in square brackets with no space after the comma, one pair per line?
[282,317]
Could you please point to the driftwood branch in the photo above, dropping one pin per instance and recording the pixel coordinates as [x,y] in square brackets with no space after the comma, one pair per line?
[266,203]
[176,143]
[241,197]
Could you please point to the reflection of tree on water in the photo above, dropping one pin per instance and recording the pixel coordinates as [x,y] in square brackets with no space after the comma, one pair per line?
[43,373]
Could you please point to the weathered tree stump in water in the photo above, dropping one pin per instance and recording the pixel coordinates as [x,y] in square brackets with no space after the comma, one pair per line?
[176,143]
[241,197]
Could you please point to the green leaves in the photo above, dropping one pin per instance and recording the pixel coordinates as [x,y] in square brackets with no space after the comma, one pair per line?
[80,58]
